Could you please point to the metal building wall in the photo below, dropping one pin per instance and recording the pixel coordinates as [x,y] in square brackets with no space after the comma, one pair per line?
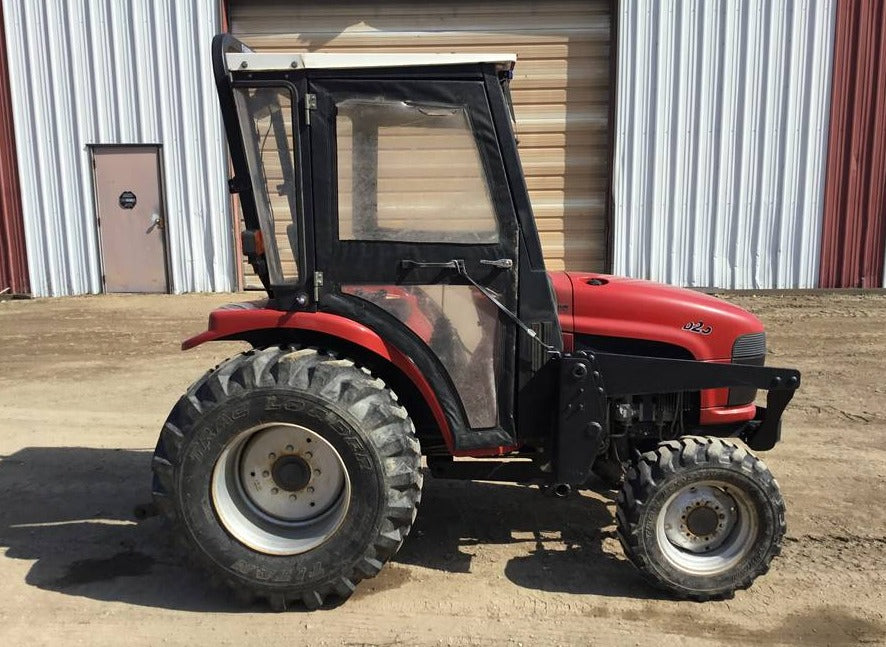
[13,263]
[854,236]
[120,72]
[561,89]
[720,141]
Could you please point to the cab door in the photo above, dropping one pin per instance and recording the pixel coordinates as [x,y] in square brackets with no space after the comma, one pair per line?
[415,229]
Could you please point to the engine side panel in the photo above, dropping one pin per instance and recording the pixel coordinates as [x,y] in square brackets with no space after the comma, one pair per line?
[630,316]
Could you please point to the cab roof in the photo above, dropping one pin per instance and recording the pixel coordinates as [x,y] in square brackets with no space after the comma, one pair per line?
[327,61]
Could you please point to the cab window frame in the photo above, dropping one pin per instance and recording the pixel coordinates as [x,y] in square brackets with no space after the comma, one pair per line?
[295,198]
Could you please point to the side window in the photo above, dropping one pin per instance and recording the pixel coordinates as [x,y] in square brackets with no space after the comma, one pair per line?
[265,115]
[411,173]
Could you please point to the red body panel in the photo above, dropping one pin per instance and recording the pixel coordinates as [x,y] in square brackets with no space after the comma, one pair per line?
[592,304]
[611,306]
[232,321]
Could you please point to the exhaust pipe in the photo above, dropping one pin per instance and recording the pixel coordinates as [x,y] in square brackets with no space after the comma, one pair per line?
[561,490]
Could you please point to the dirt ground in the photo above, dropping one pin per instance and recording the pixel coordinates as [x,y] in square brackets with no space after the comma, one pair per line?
[85,384]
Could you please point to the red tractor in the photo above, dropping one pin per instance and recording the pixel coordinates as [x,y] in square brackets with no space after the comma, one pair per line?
[409,314]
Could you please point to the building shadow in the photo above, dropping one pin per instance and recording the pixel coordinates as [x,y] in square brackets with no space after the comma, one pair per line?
[70,511]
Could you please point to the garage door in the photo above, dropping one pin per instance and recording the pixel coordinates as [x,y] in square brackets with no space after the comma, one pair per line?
[560,88]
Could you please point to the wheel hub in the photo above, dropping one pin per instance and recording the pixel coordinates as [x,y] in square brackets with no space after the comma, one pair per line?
[702,521]
[707,527]
[280,488]
[699,518]
[291,473]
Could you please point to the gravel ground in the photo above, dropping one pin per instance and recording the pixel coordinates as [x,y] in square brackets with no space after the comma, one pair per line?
[85,384]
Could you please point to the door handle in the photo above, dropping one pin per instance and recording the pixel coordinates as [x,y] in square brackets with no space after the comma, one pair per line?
[409,264]
[156,223]
[501,263]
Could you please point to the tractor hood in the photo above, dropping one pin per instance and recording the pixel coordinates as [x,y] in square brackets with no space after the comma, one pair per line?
[612,306]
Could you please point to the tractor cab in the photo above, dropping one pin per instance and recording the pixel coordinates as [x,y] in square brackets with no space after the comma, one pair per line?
[409,314]
[387,189]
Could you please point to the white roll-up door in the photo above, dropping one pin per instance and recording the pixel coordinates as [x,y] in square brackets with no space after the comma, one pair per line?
[560,89]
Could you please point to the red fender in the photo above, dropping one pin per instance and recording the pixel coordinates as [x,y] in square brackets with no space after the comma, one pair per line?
[230,322]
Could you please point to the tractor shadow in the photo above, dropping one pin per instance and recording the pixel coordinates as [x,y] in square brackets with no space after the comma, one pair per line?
[70,511]
[555,545]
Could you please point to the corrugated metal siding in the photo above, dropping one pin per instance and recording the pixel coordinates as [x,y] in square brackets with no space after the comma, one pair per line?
[13,261]
[721,139]
[109,73]
[854,236]
[561,87]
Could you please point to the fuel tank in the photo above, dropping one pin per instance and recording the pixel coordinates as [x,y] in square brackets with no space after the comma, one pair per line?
[600,305]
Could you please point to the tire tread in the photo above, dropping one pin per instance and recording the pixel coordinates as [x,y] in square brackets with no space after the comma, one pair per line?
[653,468]
[337,380]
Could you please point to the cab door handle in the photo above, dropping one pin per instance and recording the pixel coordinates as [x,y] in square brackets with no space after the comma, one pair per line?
[501,263]
[409,264]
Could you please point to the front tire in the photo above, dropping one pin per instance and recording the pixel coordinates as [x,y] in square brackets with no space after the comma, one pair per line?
[289,475]
[700,517]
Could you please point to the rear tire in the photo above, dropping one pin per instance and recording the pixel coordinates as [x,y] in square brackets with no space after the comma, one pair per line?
[288,474]
[700,517]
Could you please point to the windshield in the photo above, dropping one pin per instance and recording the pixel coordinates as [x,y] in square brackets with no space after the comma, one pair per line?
[266,121]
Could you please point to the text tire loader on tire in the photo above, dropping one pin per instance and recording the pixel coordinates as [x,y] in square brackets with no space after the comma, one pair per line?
[409,314]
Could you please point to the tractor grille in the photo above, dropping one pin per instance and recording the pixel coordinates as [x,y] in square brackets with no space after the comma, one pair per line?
[751,345]
[747,349]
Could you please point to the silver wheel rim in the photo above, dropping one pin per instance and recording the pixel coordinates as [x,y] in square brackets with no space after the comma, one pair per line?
[280,489]
[707,528]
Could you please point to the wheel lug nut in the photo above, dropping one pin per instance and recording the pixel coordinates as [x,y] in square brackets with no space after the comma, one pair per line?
[266,473]
[272,456]
[317,472]
[292,497]
[309,454]
[274,490]
[310,490]
[289,448]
